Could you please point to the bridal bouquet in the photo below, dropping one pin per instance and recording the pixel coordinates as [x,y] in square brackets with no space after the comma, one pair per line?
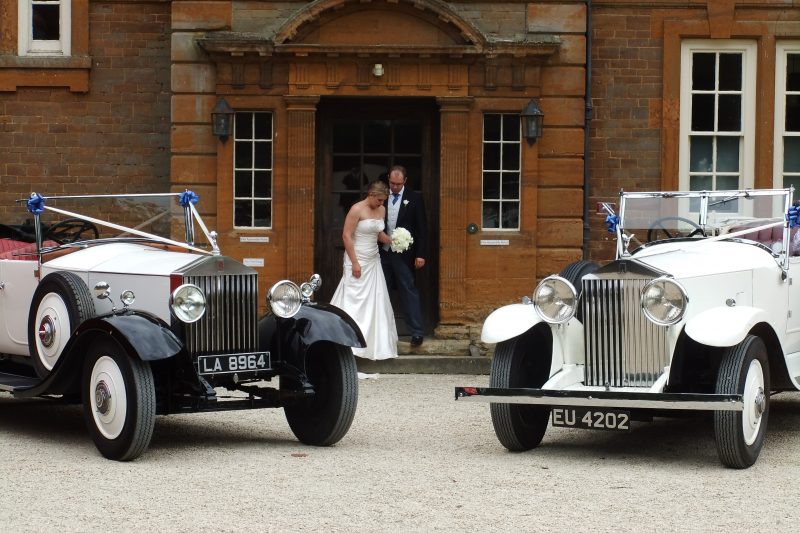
[401,240]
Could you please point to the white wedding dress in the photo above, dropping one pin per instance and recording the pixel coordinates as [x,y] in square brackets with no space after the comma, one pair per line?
[366,299]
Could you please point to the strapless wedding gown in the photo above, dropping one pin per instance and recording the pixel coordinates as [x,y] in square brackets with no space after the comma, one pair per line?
[366,299]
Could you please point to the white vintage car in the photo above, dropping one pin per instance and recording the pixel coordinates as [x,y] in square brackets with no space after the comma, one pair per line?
[101,303]
[699,311]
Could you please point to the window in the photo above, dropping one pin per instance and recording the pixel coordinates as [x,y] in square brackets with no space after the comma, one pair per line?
[44,27]
[787,116]
[501,171]
[717,118]
[252,170]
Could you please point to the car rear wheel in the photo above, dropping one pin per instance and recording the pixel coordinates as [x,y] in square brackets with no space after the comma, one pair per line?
[324,419]
[60,304]
[740,434]
[119,401]
[519,363]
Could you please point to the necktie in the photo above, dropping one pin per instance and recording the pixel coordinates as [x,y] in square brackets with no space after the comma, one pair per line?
[396,196]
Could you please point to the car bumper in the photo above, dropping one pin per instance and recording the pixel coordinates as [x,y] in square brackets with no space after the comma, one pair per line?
[612,399]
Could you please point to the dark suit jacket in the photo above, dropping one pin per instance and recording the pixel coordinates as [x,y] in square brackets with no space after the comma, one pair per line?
[412,217]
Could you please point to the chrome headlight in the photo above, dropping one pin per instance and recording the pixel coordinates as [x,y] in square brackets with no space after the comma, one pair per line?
[555,299]
[188,303]
[664,301]
[284,299]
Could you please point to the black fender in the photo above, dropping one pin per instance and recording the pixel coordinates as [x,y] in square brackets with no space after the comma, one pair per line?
[290,338]
[140,334]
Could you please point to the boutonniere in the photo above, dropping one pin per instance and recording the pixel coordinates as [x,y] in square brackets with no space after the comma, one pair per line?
[405,202]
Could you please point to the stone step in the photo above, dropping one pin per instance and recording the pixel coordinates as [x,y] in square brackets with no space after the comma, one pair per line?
[426,364]
[434,356]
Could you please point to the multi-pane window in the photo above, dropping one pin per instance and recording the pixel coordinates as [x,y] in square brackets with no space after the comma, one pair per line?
[44,27]
[787,116]
[501,171]
[252,170]
[717,120]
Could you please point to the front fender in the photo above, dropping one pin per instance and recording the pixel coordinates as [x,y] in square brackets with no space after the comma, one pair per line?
[141,334]
[315,322]
[724,326]
[508,322]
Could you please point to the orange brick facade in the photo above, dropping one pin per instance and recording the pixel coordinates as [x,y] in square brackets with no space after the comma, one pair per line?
[131,110]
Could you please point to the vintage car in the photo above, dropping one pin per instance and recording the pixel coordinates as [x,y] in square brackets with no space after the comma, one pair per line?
[107,300]
[700,311]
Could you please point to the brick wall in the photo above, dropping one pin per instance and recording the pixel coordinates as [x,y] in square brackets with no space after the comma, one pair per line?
[626,85]
[115,138]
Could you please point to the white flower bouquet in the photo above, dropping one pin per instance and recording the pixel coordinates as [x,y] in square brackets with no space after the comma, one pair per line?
[401,240]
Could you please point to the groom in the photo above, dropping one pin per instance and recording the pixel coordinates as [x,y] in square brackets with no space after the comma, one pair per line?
[406,209]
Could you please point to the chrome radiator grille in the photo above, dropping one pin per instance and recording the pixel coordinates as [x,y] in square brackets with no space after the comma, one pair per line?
[623,348]
[229,323]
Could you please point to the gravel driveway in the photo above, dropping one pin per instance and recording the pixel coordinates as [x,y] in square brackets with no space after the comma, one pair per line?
[414,460]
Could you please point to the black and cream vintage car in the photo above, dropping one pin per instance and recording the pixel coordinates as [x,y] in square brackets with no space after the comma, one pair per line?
[700,311]
[108,301]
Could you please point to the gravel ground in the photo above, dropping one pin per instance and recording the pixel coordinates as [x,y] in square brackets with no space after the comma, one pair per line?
[414,460]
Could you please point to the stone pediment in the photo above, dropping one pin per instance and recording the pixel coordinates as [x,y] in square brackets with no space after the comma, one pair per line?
[394,28]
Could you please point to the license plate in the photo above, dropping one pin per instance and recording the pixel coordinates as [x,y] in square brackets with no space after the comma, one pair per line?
[586,418]
[230,363]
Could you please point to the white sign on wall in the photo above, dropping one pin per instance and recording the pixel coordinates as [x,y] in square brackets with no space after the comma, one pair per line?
[253,261]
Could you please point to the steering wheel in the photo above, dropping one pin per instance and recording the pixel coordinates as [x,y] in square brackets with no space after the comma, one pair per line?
[658,225]
[71,230]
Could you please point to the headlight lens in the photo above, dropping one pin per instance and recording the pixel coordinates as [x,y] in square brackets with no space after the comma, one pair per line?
[188,303]
[284,299]
[555,299]
[664,301]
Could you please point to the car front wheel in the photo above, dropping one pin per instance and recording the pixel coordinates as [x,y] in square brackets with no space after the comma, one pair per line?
[324,419]
[520,363]
[119,401]
[740,434]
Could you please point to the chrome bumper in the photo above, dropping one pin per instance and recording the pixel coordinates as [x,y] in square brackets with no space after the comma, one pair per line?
[615,399]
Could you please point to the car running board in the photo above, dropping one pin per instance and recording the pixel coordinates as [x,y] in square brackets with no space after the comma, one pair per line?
[14,382]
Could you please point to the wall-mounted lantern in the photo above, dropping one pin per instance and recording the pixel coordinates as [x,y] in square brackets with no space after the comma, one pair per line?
[532,121]
[222,119]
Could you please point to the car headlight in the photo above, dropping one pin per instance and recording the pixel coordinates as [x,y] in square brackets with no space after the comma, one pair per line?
[188,303]
[555,299]
[664,301]
[284,299]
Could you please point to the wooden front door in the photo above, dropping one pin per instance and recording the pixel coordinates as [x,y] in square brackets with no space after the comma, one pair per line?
[358,141]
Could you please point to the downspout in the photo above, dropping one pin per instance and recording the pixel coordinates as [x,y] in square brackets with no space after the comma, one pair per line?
[586,121]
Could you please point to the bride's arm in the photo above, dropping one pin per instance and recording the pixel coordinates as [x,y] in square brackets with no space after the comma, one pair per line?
[349,229]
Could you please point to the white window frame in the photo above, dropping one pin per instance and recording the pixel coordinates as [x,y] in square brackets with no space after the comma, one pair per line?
[782,50]
[749,51]
[501,142]
[27,46]
[252,168]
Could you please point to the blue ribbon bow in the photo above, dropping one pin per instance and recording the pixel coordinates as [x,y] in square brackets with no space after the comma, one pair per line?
[36,203]
[188,197]
[612,221]
[793,216]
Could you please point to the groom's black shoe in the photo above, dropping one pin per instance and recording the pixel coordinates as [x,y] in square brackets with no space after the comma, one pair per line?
[416,340]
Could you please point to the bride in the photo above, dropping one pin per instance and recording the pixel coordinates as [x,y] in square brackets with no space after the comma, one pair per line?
[362,292]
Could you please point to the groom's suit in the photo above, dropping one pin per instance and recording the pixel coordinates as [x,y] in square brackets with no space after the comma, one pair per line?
[399,268]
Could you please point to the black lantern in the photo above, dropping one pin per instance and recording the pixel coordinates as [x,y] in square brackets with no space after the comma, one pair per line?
[532,120]
[222,120]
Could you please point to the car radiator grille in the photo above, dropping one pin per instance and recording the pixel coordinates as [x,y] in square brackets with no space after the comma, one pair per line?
[229,323]
[623,348]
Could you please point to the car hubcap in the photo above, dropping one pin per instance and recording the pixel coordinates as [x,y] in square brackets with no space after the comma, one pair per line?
[755,402]
[47,331]
[102,398]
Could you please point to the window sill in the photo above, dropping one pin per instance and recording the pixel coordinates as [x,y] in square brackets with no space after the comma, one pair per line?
[25,71]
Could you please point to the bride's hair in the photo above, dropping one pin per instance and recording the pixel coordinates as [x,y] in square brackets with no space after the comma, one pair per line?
[378,187]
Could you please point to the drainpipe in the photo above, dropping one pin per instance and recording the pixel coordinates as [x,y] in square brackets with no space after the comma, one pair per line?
[586,121]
